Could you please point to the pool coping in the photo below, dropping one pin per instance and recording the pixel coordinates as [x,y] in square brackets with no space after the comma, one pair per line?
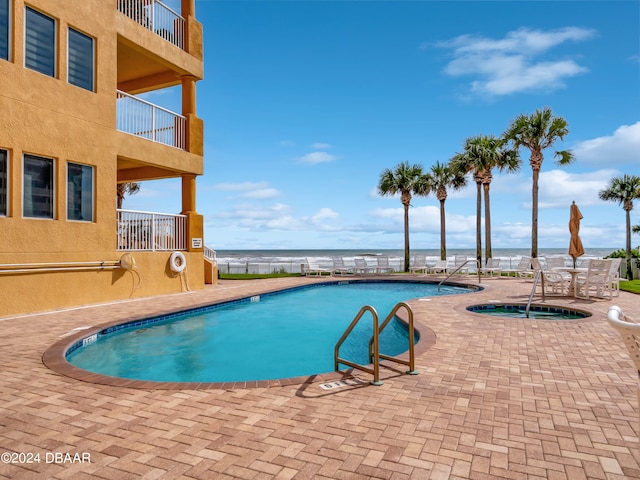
[54,357]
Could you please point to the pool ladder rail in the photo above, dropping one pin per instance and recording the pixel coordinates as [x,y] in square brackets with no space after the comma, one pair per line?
[374,343]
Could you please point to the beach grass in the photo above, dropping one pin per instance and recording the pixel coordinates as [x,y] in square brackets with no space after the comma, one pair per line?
[632,286]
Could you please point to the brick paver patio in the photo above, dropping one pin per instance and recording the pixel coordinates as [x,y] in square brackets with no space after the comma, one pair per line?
[495,398]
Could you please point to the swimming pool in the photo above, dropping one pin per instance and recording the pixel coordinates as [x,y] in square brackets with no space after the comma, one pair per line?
[277,335]
[536,312]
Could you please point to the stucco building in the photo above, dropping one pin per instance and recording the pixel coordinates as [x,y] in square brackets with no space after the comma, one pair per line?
[72,128]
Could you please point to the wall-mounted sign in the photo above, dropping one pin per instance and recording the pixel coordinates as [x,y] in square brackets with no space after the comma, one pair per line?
[196,243]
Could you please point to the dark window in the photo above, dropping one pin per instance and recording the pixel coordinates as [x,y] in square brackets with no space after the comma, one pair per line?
[4,191]
[40,42]
[80,59]
[38,187]
[79,192]
[4,29]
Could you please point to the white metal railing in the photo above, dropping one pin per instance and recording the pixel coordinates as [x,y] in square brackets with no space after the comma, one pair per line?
[157,17]
[143,119]
[151,231]
[210,254]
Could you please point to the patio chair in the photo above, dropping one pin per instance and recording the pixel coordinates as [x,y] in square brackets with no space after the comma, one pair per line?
[523,269]
[441,266]
[419,264]
[312,268]
[554,282]
[492,267]
[614,277]
[595,280]
[362,266]
[629,331]
[383,265]
[459,261]
[339,268]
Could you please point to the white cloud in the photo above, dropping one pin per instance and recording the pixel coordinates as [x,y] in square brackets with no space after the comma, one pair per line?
[321,146]
[508,65]
[316,157]
[423,219]
[262,193]
[286,143]
[323,214]
[240,187]
[258,217]
[622,147]
[558,188]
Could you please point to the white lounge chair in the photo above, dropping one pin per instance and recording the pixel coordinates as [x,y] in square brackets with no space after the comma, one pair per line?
[312,268]
[492,267]
[362,266]
[554,283]
[595,280]
[629,331]
[523,269]
[441,266]
[614,277]
[383,265]
[339,268]
[419,264]
[459,261]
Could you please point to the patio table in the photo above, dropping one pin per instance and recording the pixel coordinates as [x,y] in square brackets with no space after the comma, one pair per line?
[574,272]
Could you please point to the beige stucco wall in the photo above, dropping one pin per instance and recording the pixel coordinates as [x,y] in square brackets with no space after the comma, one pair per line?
[51,118]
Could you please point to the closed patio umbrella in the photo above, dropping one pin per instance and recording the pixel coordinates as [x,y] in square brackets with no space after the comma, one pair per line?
[575,244]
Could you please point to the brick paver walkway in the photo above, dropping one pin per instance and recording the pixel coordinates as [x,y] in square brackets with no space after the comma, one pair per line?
[495,398]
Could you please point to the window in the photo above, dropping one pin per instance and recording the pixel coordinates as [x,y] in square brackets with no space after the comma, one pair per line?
[4,187]
[38,187]
[80,60]
[40,42]
[79,192]
[4,29]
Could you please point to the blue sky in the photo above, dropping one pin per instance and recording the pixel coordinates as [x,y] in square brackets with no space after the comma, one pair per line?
[305,103]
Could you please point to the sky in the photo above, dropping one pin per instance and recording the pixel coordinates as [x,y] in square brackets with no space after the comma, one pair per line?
[305,103]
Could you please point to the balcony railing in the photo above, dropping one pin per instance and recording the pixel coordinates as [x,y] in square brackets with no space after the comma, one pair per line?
[157,17]
[151,231]
[143,119]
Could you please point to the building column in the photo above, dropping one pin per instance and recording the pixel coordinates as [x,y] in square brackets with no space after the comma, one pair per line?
[195,226]
[188,194]
[188,8]
[188,95]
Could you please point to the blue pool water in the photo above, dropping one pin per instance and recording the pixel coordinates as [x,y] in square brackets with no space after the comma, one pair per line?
[274,336]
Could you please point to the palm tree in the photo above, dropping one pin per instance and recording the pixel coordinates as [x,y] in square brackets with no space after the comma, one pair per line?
[481,155]
[440,178]
[499,156]
[403,180]
[624,190]
[128,188]
[537,132]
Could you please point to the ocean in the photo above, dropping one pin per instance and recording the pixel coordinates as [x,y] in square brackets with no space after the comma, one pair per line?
[270,261]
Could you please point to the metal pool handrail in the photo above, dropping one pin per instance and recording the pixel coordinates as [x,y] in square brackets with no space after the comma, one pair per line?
[459,267]
[411,362]
[376,346]
[533,291]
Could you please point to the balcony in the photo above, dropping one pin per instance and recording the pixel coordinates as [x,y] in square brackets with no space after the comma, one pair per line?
[148,231]
[157,17]
[146,120]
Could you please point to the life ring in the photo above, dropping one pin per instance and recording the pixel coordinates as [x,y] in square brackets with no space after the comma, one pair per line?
[177,262]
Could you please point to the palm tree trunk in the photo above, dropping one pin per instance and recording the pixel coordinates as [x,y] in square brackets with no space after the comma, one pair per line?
[487,224]
[479,224]
[443,237]
[406,238]
[628,246]
[534,214]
